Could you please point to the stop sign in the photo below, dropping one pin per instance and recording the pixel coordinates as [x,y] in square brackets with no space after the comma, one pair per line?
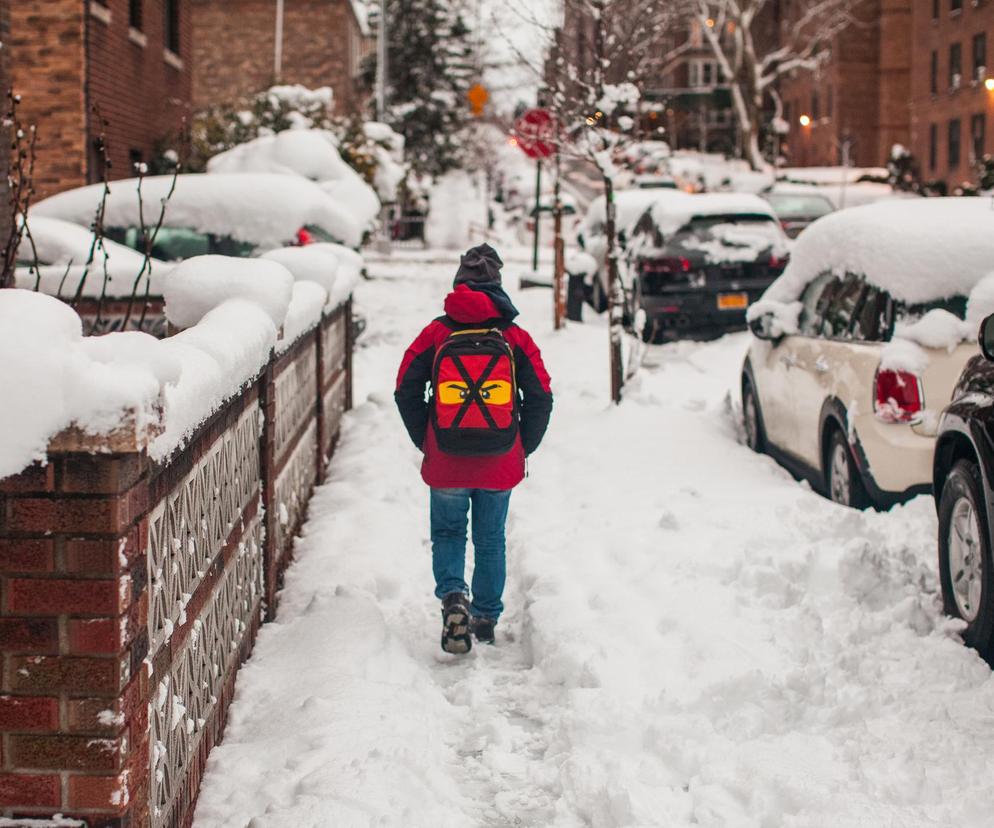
[535,131]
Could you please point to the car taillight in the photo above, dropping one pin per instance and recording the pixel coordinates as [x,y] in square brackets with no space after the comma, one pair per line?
[778,261]
[671,265]
[305,237]
[899,396]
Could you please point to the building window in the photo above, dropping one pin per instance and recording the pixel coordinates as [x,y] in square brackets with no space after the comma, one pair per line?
[702,74]
[954,142]
[955,65]
[955,6]
[979,56]
[935,9]
[815,107]
[829,102]
[933,146]
[171,10]
[135,14]
[978,129]
[935,74]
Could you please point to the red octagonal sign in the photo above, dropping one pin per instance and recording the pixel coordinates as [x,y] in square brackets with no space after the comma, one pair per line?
[535,132]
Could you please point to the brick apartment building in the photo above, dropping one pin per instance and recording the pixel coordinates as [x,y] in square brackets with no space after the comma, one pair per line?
[952,87]
[235,56]
[128,59]
[857,102]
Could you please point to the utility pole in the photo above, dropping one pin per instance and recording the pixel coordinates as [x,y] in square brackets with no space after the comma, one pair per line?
[278,47]
[381,63]
[6,207]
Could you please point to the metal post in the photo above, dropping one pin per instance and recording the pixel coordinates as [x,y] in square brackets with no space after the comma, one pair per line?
[278,50]
[560,265]
[538,211]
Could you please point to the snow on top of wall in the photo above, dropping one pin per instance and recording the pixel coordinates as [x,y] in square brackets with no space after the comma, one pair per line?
[337,269]
[63,249]
[235,308]
[265,210]
[200,284]
[918,250]
[310,153]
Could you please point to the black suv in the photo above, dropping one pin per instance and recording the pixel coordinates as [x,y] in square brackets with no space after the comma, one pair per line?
[963,478]
[698,281]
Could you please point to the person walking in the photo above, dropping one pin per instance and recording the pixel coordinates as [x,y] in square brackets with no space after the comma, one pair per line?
[487,407]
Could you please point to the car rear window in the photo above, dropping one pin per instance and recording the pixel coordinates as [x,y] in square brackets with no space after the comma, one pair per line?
[799,206]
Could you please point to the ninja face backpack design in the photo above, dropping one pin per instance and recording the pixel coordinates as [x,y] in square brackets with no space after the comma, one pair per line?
[474,403]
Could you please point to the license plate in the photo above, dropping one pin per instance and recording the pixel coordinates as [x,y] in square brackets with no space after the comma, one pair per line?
[733,301]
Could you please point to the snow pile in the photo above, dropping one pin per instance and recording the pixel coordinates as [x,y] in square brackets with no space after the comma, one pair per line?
[233,311]
[264,210]
[457,216]
[784,317]
[310,153]
[337,269]
[981,303]
[63,248]
[918,250]
[200,284]
[389,153]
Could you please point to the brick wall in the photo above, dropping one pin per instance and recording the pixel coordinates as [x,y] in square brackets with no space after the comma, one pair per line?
[69,55]
[143,91]
[47,62]
[130,593]
[931,33]
[234,48]
[860,94]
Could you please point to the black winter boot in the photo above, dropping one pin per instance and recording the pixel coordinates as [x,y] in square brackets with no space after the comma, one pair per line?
[455,624]
[483,629]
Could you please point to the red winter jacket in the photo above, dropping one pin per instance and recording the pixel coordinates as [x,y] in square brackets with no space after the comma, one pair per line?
[467,307]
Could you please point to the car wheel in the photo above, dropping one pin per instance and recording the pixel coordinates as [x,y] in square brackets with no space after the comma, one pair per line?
[965,557]
[842,477]
[751,418]
[598,298]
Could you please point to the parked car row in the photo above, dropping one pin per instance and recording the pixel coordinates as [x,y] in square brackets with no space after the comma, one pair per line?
[864,376]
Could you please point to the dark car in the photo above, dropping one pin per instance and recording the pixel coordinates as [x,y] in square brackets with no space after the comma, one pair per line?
[696,263]
[797,210]
[963,478]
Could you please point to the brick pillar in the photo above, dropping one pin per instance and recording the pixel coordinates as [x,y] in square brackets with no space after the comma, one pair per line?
[73,635]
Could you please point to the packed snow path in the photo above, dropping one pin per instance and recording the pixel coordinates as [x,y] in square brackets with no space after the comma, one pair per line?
[692,638]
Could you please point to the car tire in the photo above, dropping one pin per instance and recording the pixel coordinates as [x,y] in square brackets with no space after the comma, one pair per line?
[965,568]
[752,418]
[598,298]
[843,482]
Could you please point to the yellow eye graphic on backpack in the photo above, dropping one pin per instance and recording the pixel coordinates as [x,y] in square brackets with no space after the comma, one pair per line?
[497,392]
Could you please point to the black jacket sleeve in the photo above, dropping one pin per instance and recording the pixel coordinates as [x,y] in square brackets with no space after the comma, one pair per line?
[412,383]
[536,394]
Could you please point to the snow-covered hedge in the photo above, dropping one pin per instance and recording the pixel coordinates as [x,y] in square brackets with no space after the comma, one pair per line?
[234,314]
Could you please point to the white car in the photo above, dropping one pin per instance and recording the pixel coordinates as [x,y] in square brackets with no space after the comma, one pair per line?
[860,342]
[226,214]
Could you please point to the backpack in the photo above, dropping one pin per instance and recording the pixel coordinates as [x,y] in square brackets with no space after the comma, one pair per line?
[474,394]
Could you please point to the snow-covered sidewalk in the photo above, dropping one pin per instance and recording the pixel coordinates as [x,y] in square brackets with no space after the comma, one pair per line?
[692,638]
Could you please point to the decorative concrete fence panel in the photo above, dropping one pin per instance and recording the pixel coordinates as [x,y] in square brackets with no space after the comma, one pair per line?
[131,591]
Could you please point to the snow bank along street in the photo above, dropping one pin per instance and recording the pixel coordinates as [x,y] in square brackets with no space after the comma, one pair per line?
[691,637]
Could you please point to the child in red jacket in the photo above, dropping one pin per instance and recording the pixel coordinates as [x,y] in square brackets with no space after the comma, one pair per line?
[488,407]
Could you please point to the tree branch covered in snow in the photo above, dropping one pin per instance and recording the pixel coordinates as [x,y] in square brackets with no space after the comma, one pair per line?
[734,31]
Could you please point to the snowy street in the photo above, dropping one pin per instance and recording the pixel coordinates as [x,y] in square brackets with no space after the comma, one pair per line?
[691,637]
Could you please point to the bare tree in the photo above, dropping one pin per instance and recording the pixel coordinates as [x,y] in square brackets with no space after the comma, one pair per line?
[754,50]
[601,55]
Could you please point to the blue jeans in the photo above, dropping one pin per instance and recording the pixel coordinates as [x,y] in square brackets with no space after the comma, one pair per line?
[449,512]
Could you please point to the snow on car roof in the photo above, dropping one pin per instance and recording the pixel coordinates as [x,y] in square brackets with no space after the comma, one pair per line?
[259,208]
[918,250]
[629,207]
[672,209]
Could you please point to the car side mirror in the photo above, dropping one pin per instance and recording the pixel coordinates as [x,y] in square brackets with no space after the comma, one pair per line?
[762,327]
[987,337]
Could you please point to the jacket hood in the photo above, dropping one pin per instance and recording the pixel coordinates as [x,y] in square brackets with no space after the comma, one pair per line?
[479,303]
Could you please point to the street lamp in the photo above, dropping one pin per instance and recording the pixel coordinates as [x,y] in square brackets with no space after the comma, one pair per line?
[805,120]
[989,84]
